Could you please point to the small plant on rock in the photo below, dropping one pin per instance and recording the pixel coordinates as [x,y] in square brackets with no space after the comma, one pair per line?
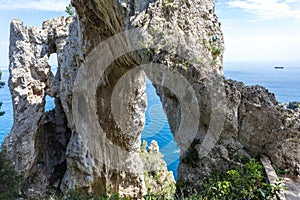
[293,105]
[70,10]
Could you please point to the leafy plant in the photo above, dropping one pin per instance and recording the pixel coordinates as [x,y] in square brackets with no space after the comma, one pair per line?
[215,52]
[246,182]
[293,105]
[213,47]
[70,10]
[241,183]
[12,185]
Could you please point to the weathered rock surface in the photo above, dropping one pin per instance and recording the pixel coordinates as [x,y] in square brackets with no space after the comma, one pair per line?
[255,125]
[158,179]
[37,142]
[293,187]
[265,129]
[91,140]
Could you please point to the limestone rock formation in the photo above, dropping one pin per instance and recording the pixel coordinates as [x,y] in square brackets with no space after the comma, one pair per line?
[255,125]
[37,142]
[264,128]
[158,179]
[91,140]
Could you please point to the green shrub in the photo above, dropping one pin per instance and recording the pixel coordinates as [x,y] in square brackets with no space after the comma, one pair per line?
[214,47]
[215,52]
[246,182]
[293,105]
[70,10]
[12,185]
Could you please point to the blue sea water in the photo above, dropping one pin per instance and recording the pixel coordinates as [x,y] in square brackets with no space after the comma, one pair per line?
[157,128]
[6,121]
[285,84]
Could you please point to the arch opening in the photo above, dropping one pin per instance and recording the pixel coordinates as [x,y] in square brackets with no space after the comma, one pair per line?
[50,103]
[157,128]
[53,63]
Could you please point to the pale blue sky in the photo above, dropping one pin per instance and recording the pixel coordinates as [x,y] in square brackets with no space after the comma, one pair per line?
[31,12]
[260,30]
[254,30]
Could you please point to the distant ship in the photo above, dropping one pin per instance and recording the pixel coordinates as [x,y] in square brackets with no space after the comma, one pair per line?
[278,67]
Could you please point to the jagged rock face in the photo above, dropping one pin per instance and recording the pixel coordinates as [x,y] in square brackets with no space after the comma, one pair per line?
[45,145]
[255,125]
[91,140]
[37,142]
[181,35]
[264,128]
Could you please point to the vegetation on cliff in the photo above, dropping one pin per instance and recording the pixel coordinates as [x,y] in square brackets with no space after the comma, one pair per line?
[12,185]
[159,181]
[243,182]
[70,10]
[293,105]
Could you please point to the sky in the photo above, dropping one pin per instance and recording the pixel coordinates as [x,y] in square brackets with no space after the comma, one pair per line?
[260,30]
[31,12]
[254,30]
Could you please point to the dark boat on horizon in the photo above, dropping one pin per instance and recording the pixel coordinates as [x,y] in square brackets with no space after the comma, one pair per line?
[278,67]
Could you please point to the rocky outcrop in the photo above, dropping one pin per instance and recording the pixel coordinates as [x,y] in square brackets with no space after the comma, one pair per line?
[37,142]
[264,128]
[159,181]
[45,145]
[256,125]
[91,140]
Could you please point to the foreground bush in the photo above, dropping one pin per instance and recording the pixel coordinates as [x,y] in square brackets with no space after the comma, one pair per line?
[242,183]
[245,182]
[12,185]
[293,105]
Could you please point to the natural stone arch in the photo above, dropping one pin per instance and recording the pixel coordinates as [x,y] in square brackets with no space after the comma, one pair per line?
[197,30]
[136,12]
[64,37]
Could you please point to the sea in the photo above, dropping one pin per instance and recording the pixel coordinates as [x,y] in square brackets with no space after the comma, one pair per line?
[284,83]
